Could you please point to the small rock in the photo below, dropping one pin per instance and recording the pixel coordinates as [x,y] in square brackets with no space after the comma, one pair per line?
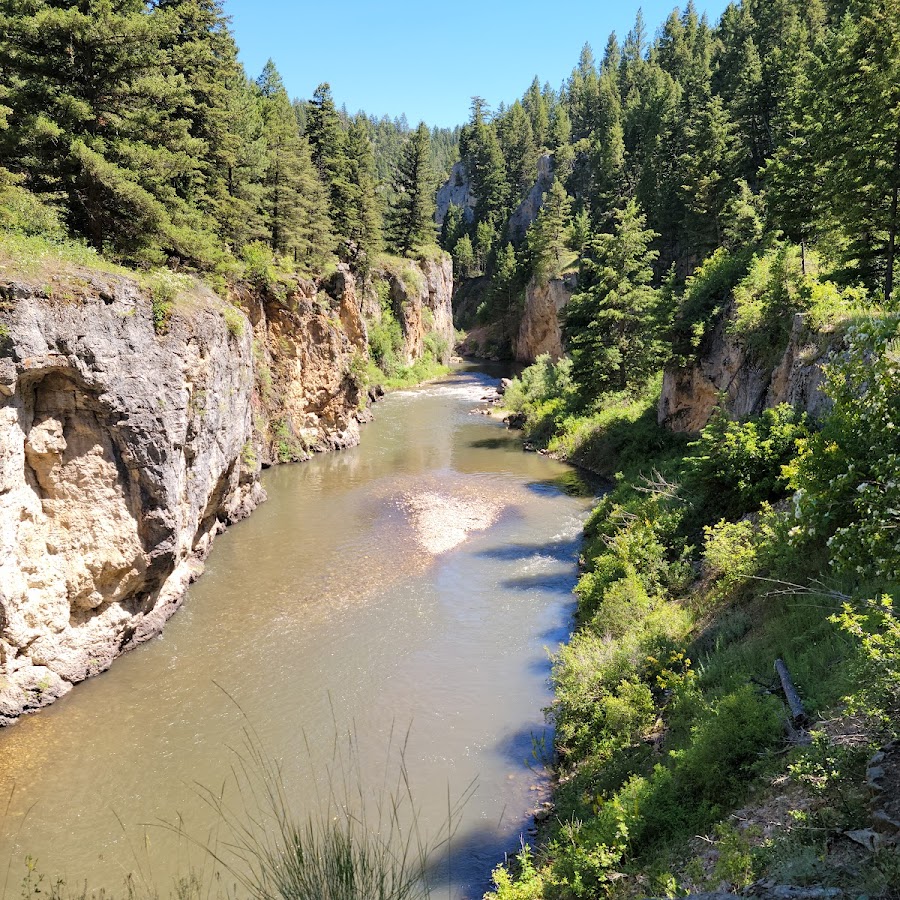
[865,837]
[884,823]
[541,814]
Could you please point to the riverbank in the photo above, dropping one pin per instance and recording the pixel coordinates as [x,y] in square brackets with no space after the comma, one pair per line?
[680,767]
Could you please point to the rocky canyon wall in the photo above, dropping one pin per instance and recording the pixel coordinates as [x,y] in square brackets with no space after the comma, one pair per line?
[540,330]
[125,451]
[728,375]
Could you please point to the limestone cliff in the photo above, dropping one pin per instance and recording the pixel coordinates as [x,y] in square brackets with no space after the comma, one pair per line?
[729,375]
[456,190]
[540,331]
[307,344]
[129,440]
[527,210]
[421,297]
[120,460]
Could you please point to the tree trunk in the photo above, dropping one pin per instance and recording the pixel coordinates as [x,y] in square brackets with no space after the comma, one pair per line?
[795,704]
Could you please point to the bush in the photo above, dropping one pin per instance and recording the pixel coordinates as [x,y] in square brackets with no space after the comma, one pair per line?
[767,298]
[848,493]
[706,294]
[24,212]
[259,264]
[726,748]
[738,465]
[234,320]
[386,343]
[877,628]
[165,288]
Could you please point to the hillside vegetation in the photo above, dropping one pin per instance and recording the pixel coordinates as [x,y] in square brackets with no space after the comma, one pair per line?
[716,182]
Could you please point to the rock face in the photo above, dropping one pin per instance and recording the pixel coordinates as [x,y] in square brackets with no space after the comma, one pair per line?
[307,346]
[527,211]
[121,458]
[124,452]
[726,374]
[421,294]
[456,190]
[539,330]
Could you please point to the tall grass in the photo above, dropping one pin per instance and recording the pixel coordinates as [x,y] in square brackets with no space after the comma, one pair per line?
[360,843]
[352,840]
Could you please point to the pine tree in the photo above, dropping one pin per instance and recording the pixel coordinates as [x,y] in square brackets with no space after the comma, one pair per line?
[94,116]
[295,199]
[505,282]
[859,143]
[480,149]
[536,106]
[365,234]
[547,237]
[412,220]
[519,151]
[241,218]
[328,142]
[612,324]
[200,48]
[453,227]
[464,257]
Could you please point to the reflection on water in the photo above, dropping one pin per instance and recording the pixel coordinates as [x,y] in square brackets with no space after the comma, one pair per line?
[413,582]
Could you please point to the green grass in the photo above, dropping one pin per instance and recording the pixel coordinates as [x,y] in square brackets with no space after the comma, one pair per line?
[41,258]
[423,369]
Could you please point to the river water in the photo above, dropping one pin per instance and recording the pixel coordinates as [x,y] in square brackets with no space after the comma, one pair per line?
[405,593]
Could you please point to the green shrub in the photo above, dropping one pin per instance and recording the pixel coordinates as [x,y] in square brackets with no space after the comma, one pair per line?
[26,213]
[259,264]
[736,466]
[527,884]
[876,626]
[726,747]
[165,288]
[624,603]
[766,299]
[848,493]
[706,295]
[386,342]
[234,320]
[437,347]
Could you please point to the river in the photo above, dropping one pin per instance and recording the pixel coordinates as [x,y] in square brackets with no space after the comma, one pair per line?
[410,586]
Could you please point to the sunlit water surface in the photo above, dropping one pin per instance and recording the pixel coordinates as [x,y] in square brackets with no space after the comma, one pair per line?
[412,584]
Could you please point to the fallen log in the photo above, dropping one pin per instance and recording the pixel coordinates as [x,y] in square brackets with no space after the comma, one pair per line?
[795,704]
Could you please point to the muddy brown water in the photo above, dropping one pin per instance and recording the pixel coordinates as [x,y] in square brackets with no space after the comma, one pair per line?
[406,591]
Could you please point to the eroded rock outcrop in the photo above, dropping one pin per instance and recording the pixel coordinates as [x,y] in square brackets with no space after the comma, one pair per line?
[124,451]
[527,211]
[308,347]
[540,330]
[121,458]
[728,375]
[421,294]
[456,190]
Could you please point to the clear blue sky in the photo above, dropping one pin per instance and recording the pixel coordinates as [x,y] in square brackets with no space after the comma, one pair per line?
[427,59]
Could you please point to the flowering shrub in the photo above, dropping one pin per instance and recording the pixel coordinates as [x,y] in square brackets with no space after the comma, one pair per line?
[848,486]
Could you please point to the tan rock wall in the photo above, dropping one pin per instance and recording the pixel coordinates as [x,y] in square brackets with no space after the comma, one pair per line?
[540,331]
[727,375]
[124,452]
[120,460]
